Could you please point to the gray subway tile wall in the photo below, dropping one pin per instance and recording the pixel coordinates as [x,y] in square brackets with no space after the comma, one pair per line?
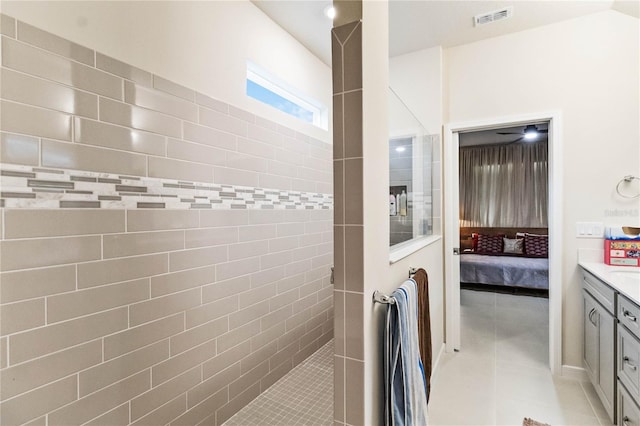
[348,220]
[165,256]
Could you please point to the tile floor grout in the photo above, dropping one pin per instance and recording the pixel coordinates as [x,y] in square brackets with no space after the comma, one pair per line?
[283,403]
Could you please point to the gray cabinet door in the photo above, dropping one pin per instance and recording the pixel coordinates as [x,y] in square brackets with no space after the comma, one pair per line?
[591,347]
[606,324]
[598,350]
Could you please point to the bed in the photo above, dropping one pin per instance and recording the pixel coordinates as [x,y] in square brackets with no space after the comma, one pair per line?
[497,268]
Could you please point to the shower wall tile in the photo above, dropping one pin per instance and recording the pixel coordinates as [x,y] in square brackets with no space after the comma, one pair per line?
[160,307]
[159,101]
[19,149]
[119,416]
[39,63]
[354,380]
[173,88]
[93,274]
[223,122]
[348,230]
[161,394]
[352,59]
[33,121]
[175,169]
[182,150]
[7,26]
[52,338]
[21,316]
[34,404]
[183,280]
[211,103]
[141,336]
[50,368]
[123,245]
[139,118]
[79,303]
[353,124]
[35,253]
[55,44]
[169,410]
[208,136]
[82,157]
[109,136]
[19,87]
[123,70]
[39,223]
[21,285]
[156,220]
[175,314]
[224,175]
[91,406]
[107,373]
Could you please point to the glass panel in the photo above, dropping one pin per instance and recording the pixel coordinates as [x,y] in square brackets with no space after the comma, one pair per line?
[410,170]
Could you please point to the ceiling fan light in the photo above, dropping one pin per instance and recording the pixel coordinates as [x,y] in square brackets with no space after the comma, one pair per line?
[531,135]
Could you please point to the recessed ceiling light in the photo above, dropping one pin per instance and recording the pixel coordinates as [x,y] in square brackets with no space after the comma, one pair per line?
[400,149]
[330,12]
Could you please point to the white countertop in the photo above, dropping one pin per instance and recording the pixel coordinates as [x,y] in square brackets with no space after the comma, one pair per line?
[625,280]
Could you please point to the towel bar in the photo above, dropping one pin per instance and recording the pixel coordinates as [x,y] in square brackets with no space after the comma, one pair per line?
[380,297]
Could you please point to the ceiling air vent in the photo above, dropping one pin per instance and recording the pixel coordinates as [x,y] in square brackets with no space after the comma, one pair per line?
[496,15]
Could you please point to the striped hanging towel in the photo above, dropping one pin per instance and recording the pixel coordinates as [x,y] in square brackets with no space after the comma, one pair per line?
[405,384]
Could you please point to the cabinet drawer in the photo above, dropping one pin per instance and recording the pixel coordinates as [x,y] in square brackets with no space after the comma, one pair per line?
[629,315]
[628,411]
[600,291]
[629,362]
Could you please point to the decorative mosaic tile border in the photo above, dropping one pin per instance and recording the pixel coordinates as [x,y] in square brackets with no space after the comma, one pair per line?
[40,188]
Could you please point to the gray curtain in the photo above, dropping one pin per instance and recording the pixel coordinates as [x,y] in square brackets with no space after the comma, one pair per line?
[504,185]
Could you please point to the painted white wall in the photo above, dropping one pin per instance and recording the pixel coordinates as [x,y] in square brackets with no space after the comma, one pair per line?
[588,69]
[408,76]
[203,45]
[417,79]
[375,147]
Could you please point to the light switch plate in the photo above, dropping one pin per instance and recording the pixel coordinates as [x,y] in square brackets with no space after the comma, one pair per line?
[589,229]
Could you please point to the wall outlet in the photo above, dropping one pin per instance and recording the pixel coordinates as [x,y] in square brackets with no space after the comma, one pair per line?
[589,229]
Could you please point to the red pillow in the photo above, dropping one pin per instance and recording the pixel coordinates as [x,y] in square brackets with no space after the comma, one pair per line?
[474,241]
[536,245]
[490,244]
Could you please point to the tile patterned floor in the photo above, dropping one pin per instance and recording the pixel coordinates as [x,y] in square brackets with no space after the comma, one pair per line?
[501,373]
[302,397]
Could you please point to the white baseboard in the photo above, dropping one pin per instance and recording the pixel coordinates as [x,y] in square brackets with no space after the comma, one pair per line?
[575,373]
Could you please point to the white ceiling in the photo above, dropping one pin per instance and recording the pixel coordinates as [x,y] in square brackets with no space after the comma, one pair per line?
[421,24]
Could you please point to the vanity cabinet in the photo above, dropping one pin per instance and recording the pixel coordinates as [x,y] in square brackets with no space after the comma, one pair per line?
[599,340]
[611,350]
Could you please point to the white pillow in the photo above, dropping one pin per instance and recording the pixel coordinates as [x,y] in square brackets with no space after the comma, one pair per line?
[513,245]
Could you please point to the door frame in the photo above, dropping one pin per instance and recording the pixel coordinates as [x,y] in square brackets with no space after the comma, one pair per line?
[452,230]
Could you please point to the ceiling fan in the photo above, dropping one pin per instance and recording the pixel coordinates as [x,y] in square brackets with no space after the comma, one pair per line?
[530,133]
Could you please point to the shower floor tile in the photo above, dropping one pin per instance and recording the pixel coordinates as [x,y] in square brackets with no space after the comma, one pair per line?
[304,396]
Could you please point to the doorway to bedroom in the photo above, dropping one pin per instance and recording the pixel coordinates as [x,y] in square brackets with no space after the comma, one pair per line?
[503,191]
[503,227]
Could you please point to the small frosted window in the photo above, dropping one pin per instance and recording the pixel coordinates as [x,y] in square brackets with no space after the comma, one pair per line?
[272,91]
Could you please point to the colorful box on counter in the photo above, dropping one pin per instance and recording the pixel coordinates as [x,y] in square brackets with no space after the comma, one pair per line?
[622,246]
[622,252]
